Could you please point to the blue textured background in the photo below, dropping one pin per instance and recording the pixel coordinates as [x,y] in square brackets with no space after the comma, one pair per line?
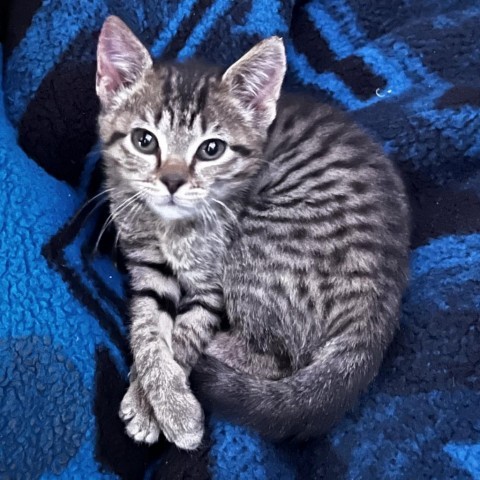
[408,71]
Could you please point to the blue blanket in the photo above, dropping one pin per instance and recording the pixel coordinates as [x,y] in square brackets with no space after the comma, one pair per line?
[408,71]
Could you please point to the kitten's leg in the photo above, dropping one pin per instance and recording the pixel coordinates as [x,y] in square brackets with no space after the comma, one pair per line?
[165,384]
[199,318]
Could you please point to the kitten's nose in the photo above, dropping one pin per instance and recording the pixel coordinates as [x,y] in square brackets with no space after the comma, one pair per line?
[173,181]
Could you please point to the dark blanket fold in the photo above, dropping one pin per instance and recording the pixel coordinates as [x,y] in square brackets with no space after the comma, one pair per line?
[409,72]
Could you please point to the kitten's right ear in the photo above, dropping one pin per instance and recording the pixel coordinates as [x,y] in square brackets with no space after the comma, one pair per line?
[121,58]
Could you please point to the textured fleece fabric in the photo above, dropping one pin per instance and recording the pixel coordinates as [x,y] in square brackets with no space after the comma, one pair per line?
[408,71]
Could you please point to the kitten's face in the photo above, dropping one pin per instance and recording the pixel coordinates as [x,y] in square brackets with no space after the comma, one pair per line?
[183,148]
[180,138]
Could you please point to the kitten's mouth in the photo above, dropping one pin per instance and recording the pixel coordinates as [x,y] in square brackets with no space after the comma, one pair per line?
[170,208]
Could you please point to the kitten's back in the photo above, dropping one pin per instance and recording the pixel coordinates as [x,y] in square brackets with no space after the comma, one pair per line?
[315,279]
[326,229]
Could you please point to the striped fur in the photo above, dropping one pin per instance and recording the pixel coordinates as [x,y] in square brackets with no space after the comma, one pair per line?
[299,232]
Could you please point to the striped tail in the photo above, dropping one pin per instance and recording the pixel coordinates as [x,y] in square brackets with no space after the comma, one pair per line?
[298,407]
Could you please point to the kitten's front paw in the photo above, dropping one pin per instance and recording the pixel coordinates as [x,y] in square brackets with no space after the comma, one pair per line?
[183,422]
[136,412]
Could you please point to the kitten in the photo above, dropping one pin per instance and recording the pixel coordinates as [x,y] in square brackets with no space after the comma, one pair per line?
[275,210]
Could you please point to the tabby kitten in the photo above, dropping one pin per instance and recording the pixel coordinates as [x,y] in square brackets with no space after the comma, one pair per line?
[275,210]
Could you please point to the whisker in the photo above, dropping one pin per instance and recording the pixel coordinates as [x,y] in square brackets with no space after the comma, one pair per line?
[137,211]
[208,213]
[212,212]
[227,209]
[114,215]
[129,218]
[87,203]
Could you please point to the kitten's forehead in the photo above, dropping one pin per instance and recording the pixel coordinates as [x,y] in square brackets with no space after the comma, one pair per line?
[178,94]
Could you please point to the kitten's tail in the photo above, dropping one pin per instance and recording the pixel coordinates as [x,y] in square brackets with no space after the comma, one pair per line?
[303,405]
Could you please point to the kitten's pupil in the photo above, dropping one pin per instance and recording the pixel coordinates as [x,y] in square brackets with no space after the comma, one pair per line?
[211,149]
[144,141]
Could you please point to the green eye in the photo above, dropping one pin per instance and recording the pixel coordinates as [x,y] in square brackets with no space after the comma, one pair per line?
[211,150]
[144,141]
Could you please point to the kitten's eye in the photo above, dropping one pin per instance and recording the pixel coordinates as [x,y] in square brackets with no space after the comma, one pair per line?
[211,150]
[144,141]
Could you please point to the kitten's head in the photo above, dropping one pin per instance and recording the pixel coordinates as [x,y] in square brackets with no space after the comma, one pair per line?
[179,134]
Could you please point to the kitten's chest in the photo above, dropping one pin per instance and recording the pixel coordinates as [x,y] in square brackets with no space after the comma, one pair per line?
[193,252]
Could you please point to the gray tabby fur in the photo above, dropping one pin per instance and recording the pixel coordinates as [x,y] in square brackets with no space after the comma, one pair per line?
[299,232]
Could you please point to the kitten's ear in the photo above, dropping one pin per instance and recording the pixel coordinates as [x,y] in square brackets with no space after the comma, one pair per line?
[121,58]
[256,79]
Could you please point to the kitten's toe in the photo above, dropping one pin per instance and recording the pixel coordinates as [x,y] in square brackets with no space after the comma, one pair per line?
[138,416]
[126,411]
[143,429]
[184,424]
[131,402]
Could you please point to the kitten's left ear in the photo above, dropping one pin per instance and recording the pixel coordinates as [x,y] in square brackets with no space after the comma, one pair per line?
[121,58]
[256,79]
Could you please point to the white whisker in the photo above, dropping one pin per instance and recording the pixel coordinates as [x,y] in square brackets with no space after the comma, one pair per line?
[130,217]
[227,209]
[88,202]
[114,215]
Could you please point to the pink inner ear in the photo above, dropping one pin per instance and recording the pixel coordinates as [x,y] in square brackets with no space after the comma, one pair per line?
[120,57]
[266,89]
[256,78]
[108,73]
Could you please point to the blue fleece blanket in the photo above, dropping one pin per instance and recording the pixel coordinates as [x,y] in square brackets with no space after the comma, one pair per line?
[408,71]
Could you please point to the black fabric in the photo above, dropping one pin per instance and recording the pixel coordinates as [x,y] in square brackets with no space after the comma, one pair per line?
[181,465]
[15,18]
[67,92]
